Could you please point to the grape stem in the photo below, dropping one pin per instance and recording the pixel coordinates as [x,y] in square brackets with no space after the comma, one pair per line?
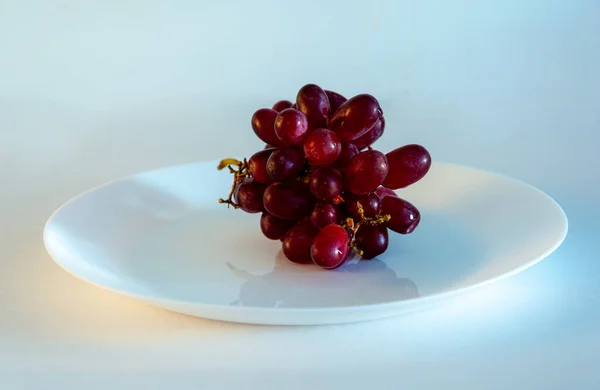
[354,226]
[239,170]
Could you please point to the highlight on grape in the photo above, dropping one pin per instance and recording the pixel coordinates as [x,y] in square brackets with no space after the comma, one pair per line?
[322,189]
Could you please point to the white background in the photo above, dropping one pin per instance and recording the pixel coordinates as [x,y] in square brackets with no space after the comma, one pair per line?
[91,91]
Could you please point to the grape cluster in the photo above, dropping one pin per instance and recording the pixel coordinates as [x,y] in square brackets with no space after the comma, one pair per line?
[320,186]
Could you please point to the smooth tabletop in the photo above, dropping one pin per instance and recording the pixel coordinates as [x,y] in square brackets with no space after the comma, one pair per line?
[90,92]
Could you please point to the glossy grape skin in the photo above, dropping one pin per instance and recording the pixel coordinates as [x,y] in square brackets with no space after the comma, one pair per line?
[326,213]
[382,192]
[257,166]
[322,147]
[405,217]
[249,196]
[326,183]
[408,164]
[330,247]
[290,200]
[298,240]
[313,102]
[372,240]
[291,126]
[371,204]
[347,153]
[355,117]
[274,228]
[370,136]
[285,163]
[282,105]
[263,124]
[335,101]
[366,172]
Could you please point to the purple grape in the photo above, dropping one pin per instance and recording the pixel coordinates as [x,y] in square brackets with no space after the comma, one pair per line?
[249,196]
[370,136]
[372,240]
[408,164]
[347,153]
[371,204]
[322,147]
[298,240]
[325,183]
[366,172]
[313,102]
[330,247]
[291,126]
[274,228]
[325,214]
[335,101]
[282,105]
[263,124]
[257,166]
[290,200]
[404,216]
[285,163]
[355,117]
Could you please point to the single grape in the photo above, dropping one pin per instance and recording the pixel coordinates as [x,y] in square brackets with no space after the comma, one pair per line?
[263,124]
[325,183]
[322,147]
[290,200]
[372,240]
[298,240]
[404,217]
[371,204]
[366,172]
[355,117]
[370,136]
[335,101]
[408,164]
[274,228]
[347,153]
[382,192]
[325,214]
[257,166]
[249,196]
[282,105]
[291,126]
[330,247]
[313,102]
[285,163]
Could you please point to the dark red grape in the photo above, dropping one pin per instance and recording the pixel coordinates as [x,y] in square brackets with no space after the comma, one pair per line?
[330,247]
[372,240]
[285,163]
[371,204]
[249,196]
[274,228]
[366,172]
[282,105]
[325,183]
[382,192]
[291,127]
[347,153]
[313,102]
[257,166]
[355,117]
[290,200]
[370,136]
[408,164]
[335,101]
[322,147]
[298,240]
[404,217]
[263,124]
[325,214]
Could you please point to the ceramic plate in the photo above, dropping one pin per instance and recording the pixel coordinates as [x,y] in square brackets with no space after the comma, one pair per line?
[162,238]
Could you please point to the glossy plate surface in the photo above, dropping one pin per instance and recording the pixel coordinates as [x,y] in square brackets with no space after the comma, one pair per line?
[162,238]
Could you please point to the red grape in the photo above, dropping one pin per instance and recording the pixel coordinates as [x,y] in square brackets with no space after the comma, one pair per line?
[325,183]
[291,126]
[274,228]
[263,124]
[348,152]
[372,240]
[313,102]
[257,166]
[330,247]
[285,163]
[366,172]
[335,101]
[408,164]
[298,240]
[282,105]
[249,196]
[355,117]
[370,136]
[370,203]
[325,214]
[322,147]
[404,216]
[289,200]
[382,192]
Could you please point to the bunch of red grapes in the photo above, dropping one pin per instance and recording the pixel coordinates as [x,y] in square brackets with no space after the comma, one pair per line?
[322,190]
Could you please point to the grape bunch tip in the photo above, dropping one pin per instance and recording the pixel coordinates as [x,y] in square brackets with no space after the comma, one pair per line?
[321,187]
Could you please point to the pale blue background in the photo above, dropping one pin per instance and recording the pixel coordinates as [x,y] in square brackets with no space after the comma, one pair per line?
[90,91]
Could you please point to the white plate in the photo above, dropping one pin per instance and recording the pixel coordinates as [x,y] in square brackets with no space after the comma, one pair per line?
[162,238]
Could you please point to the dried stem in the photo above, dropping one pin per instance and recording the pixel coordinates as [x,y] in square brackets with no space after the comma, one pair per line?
[239,170]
